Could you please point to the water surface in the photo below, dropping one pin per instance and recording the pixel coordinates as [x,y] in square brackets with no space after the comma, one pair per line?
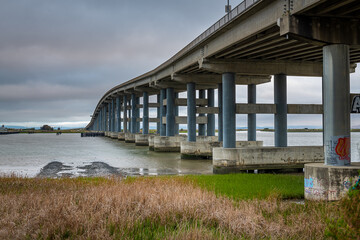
[27,154]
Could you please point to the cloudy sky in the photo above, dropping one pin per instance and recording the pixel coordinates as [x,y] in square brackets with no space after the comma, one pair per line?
[58,57]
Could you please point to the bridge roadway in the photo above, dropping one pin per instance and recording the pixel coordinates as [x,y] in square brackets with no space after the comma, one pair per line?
[257,39]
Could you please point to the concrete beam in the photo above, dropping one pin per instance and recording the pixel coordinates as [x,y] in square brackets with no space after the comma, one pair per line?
[305,109]
[292,68]
[207,110]
[322,30]
[216,78]
[245,108]
[183,102]
[183,120]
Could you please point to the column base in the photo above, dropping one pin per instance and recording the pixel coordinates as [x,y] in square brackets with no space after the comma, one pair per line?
[142,139]
[329,183]
[168,144]
[129,137]
[203,147]
[121,136]
[251,158]
[114,135]
[151,141]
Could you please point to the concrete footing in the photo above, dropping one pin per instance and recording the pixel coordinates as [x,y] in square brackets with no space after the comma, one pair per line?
[142,139]
[226,160]
[329,183]
[168,144]
[203,147]
[114,135]
[129,137]
[151,142]
[121,136]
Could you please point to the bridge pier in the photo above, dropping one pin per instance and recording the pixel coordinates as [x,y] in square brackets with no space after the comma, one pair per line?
[125,125]
[201,127]
[162,112]
[118,114]
[280,100]
[211,116]
[145,113]
[170,112]
[176,115]
[220,115]
[133,113]
[252,117]
[229,123]
[332,180]
[191,112]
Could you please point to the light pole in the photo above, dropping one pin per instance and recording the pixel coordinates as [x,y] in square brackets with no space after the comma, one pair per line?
[228,7]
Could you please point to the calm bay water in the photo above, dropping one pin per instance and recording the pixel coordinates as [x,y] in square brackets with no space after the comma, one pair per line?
[26,154]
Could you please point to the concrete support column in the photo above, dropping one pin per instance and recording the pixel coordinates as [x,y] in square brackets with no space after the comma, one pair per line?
[108,117]
[145,113]
[202,127]
[280,100]
[158,115]
[162,112]
[130,114]
[100,120]
[191,112]
[125,125]
[252,117]
[137,111]
[133,113]
[336,101]
[113,101]
[220,115]
[211,116]
[176,115]
[118,114]
[229,115]
[170,112]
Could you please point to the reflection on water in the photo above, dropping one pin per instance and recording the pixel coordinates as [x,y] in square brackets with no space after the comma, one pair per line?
[71,155]
[26,154]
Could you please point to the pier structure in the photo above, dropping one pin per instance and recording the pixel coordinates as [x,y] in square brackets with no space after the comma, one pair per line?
[257,41]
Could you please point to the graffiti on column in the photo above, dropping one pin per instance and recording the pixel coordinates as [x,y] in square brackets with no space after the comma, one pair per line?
[338,150]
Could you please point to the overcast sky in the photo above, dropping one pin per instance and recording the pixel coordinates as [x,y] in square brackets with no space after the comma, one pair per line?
[58,57]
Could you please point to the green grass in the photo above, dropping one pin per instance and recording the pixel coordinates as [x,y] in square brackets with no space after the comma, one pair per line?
[250,186]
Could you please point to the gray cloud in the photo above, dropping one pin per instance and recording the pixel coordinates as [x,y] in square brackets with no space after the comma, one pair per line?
[57,58]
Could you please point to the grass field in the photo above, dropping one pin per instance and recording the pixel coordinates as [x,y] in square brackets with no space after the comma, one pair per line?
[190,207]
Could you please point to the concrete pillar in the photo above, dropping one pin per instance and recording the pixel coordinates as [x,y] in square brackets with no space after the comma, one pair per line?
[108,117]
[137,111]
[202,127]
[170,112]
[129,114]
[229,115]
[118,115]
[100,120]
[211,116]
[252,117]
[280,100]
[125,125]
[145,113]
[133,113]
[220,115]
[113,101]
[162,112]
[176,115]
[336,101]
[191,112]
[158,115]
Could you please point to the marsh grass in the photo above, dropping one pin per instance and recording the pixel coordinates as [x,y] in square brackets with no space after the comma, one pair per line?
[147,208]
[250,186]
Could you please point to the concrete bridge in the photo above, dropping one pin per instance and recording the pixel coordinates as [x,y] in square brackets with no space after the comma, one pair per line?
[257,39]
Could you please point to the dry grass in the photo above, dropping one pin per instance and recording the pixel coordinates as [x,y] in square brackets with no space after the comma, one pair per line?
[146,208]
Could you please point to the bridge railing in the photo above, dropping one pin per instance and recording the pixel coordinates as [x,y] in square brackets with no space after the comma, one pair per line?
[239,9]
